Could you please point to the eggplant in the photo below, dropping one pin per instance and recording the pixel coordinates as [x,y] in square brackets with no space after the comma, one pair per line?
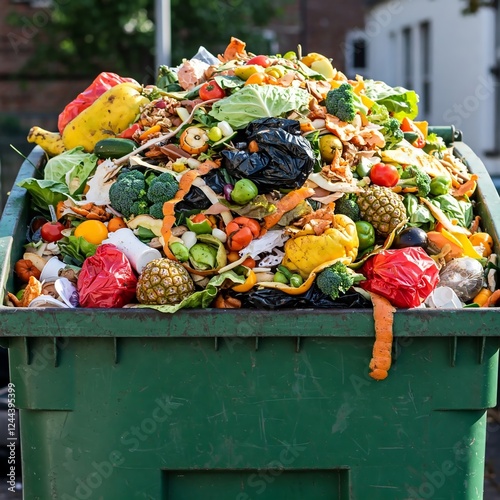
[411,237]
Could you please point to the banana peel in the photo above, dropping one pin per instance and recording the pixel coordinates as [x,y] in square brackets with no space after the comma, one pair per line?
[50,142]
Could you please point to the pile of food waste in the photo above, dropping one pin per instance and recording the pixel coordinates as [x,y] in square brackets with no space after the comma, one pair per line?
[254,181]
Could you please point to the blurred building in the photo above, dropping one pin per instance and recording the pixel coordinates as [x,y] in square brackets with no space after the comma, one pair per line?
[319,27]
[446,56]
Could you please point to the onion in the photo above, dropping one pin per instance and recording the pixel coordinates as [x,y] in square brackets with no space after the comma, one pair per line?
[228,189]
[189,239]
[220,235]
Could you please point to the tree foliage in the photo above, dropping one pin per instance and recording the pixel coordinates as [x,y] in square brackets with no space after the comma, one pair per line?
[88,36]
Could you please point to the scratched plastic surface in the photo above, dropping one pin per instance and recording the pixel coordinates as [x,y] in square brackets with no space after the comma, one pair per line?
[240,405]
[176,419]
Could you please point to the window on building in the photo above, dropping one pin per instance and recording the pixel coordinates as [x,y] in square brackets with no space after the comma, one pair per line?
[425,65]
[407,58]
[359,53]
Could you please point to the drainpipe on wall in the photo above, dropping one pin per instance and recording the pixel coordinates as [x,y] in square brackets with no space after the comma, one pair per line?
[495,70]
[303,27]
[163,33]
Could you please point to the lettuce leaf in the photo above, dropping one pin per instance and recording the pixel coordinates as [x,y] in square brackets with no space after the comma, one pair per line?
[72,168]
[259,101]
[398,100]
[45,192]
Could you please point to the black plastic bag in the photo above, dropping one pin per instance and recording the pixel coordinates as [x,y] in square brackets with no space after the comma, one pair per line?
[195,199]
[270,298]
[284,159]
[215,180]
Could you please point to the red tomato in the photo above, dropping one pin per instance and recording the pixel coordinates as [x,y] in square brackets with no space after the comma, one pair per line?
[408,125]
[384,175]
[211,90]
[263,61]
[129,132]
[51,231]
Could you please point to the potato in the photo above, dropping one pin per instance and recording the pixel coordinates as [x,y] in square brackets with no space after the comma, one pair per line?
[108,116]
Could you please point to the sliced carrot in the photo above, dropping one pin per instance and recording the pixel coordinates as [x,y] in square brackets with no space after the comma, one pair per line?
[150,131]
[287,203]
[383,315]
[493,299]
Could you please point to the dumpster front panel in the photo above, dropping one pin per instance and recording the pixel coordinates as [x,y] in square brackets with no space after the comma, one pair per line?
[169,413]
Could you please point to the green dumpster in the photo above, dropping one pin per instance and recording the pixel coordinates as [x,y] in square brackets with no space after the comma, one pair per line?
[245,404]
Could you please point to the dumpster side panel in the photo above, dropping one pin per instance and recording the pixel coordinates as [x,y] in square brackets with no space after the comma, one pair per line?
[179,411]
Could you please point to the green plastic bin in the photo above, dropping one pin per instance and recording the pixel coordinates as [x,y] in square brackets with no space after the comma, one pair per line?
[243,404]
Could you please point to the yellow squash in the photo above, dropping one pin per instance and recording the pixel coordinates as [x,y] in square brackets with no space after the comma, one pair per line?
[306,251]
[108,116]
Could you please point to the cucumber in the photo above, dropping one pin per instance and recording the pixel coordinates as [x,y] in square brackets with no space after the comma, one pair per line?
[114,148]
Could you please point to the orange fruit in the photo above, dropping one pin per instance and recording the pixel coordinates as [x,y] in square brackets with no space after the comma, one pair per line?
[93,231]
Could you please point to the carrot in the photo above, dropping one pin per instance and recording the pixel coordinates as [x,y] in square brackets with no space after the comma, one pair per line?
[383,315]
[150,131]
[287,203]
[493,299]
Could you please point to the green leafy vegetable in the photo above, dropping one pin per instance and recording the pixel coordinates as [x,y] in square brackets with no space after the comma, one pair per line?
[418,214]
[398,100]
[44,193]
[259,101]
[455,209]
[72,168]
[75,249]
[229,82]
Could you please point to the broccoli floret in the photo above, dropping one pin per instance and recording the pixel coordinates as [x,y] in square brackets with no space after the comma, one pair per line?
[163,188]
[139,207]
[344,103]
[392,133]
[128,188]
[335,280]
[349,207]
[156,210]
[413,176]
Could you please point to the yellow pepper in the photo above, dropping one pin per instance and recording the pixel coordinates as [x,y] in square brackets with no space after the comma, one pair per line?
[483,241]
[482,297]
[469,249]
[306,251]
[251,280]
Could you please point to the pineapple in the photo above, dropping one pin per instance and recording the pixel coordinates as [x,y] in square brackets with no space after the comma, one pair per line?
[381,207]
[164,281]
